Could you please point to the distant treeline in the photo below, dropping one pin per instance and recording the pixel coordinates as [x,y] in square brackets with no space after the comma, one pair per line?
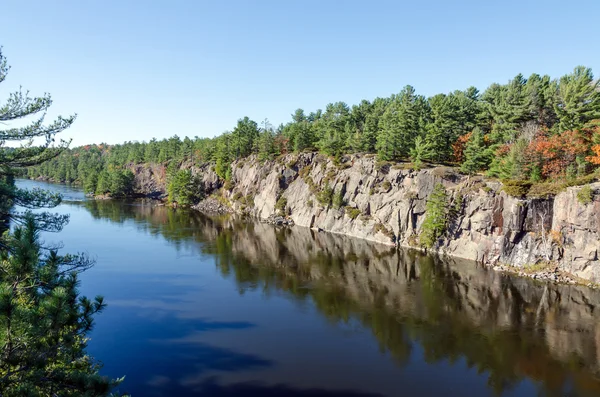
[533,129]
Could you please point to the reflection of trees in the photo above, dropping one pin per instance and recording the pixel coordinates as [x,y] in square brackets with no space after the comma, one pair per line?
[454,312]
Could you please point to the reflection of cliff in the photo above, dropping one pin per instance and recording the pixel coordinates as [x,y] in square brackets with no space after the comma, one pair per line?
[509,327]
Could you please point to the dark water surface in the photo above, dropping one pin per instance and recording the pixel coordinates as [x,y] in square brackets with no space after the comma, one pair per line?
[207,307]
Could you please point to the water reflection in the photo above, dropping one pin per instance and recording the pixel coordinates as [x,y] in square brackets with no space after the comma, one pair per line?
[508,329]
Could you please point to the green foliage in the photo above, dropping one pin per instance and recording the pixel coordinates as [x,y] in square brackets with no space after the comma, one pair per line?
[436,217]
[337,200]
[516,188]
[223,158]
[180,188]
[281,204]
[476,157]
[325,196]
[91,183]
[44,322]
[401,123]
[514,165]
[121,183]
[420,152]
[352,212]
[503,121]
[585,195]
[577,99]
[40,309]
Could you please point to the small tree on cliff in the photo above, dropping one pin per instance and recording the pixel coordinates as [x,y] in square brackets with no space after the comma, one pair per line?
[436,217]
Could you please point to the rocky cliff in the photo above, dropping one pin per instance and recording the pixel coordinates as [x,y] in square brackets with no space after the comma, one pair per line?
[386,203]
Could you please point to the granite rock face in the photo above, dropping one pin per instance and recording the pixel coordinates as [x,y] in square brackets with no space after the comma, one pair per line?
[386,203]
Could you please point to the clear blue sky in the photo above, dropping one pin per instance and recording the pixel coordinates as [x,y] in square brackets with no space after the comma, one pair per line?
[134,70]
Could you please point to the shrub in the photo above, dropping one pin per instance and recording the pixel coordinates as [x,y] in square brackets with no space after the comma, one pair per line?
[540,190]
[383,166]
[352,212]
[380,228]
[517,188]
[304,172]
[365,217]
[386,186]
[281,204]
[237,196]
[248,200]
[310,203]
[338,200]
[331,174]
[325,196]
[585,195]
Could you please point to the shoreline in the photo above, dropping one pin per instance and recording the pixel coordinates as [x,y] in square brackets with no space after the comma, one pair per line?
[540,272]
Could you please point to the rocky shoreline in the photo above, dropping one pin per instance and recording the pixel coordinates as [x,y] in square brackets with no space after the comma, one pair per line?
[549,273]
[361,197]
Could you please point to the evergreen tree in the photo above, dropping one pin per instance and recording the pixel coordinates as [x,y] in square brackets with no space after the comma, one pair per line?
[508,106]
[332,130]
[180,188]
[578,99]
[444,128]
[403,120]
[266,142]
[476,155]
[243,136]
[223,157]
[420,152]
[121,183]
[91,183]
[43,320]
[436,217]
[513,165]
[103,184]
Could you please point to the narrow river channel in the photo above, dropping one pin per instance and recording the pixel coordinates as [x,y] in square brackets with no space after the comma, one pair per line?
[219,307]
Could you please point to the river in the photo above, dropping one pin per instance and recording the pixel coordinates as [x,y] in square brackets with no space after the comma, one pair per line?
[201,306]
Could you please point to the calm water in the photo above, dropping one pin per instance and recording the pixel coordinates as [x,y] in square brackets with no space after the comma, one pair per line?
[207,307]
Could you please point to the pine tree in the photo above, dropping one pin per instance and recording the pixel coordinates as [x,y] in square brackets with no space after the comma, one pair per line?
[43,319]
[180,188]
[476,155]
[578,99]
[436,217]
[403,120]
[421,151]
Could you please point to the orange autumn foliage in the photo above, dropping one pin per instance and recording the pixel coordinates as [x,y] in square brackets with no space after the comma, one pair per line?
[595,134]
[555,153]
[458,147]
[595,159]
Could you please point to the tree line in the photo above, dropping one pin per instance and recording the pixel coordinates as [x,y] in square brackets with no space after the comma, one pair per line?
[534,128]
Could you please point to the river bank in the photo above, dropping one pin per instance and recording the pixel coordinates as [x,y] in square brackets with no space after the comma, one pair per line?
[386,203]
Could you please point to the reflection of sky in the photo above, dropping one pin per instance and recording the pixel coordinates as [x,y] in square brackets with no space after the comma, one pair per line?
[175,326]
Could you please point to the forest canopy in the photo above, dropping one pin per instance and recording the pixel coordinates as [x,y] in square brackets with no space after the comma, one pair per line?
[536,128]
